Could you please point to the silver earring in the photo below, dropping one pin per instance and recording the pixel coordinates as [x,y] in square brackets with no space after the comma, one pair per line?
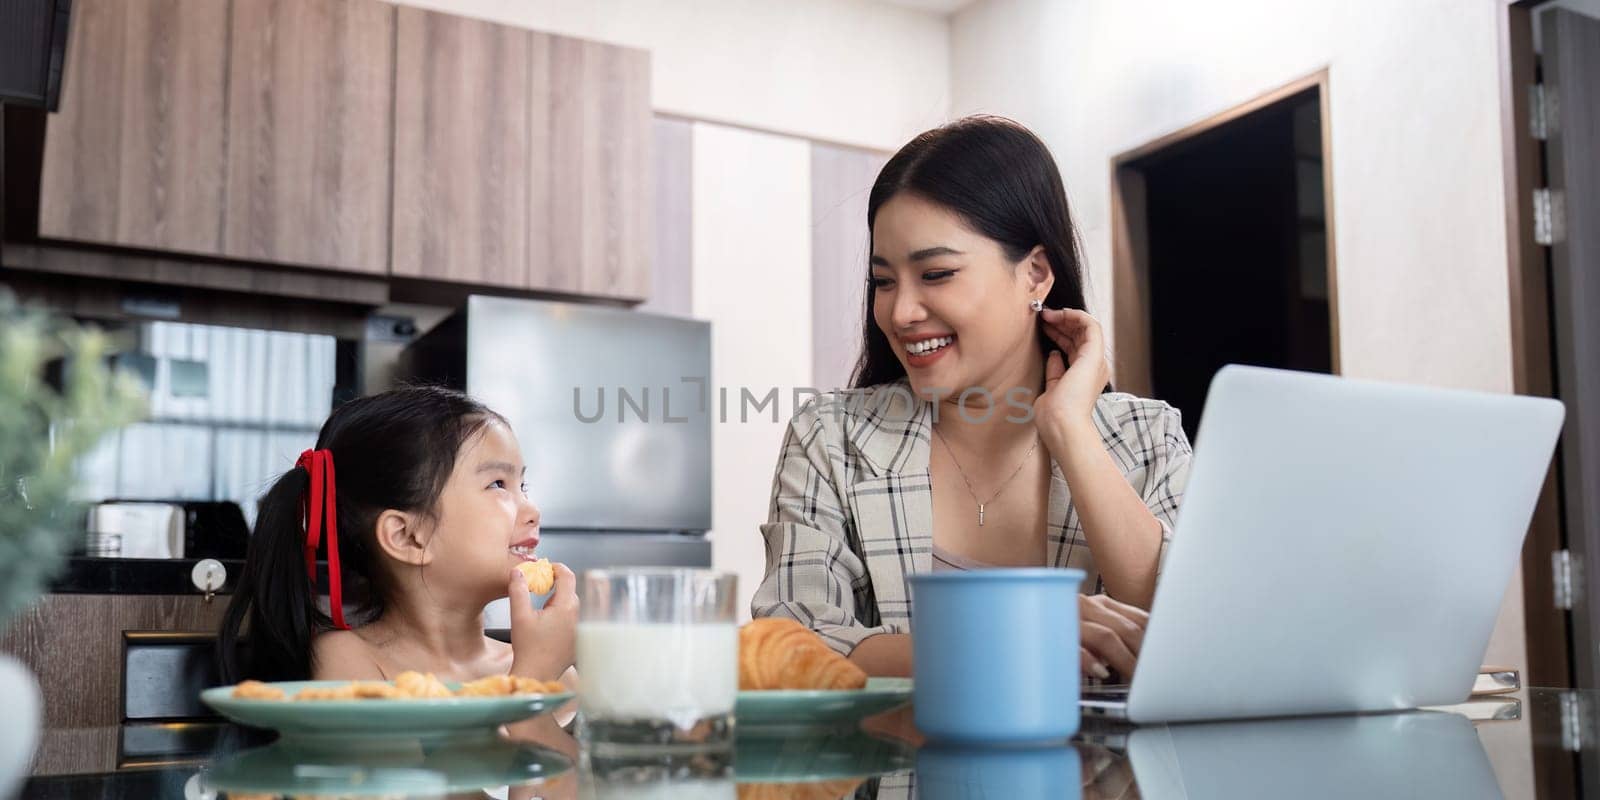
[1036,304]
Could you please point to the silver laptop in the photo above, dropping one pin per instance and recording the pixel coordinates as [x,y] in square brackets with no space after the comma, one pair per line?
[1343,546]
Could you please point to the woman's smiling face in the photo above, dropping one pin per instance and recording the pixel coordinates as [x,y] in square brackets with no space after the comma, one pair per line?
[951,303]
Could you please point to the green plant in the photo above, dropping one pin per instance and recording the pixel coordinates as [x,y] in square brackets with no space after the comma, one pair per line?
[58,398]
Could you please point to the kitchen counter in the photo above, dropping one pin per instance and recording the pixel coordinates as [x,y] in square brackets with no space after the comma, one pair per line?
[166,576]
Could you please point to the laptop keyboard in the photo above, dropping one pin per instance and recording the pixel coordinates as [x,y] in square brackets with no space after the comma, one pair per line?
[1104,693]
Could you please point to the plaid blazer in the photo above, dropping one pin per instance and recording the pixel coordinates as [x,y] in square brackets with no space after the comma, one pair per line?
[851,517]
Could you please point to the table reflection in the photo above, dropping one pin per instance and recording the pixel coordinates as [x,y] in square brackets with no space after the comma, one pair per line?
[1427,754]
[400,767]
[1414,755]
[947,772]
[763,764]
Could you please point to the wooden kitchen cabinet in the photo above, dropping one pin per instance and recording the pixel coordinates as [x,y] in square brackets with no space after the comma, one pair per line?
[135,155]
[354,136]
[276,149]
[73,642]
[310,134]
[569,212]
[460,150]
[592,203]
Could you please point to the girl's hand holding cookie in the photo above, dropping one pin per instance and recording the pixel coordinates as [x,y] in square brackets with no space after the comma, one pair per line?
[544,640]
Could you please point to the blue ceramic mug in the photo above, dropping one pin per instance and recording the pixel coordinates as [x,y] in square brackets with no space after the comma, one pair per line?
[996,654]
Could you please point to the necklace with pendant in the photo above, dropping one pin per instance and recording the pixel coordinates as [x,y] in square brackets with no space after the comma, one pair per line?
[983,503]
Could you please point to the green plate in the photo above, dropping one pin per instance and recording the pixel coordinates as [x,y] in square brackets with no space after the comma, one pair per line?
[447,767]
[781,707]
[405,718]
[777,755]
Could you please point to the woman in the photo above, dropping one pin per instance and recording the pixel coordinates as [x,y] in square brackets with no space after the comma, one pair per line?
[980,430]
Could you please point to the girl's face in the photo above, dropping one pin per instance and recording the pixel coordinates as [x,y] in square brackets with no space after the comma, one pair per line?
[952,305]
[485,522]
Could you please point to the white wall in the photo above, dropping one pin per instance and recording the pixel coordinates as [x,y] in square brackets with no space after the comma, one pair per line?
[1418,213]
[841,182]
[862,73]
[752,279]
[1420,236]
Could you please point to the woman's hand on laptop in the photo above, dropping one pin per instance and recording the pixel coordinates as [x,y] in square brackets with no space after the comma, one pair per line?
[1110,634]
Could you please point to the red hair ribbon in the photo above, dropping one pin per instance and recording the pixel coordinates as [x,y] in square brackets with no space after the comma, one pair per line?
[318,507]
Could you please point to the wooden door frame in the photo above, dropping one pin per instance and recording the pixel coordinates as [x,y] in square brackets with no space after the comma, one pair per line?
[1547,632]
[1130,254]
[1548,637]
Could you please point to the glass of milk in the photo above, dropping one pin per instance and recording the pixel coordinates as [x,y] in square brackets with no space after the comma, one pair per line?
[658,658]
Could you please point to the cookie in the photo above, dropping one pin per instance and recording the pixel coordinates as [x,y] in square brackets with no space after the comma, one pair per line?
[256,690]
[541,575]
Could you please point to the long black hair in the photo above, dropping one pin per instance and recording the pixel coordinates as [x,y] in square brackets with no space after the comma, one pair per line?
[1000,179]
[393,450]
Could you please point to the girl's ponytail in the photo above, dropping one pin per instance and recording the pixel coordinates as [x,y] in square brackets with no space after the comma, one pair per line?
[274,594]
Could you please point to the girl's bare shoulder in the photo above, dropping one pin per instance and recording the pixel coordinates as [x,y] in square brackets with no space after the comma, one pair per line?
[342,656]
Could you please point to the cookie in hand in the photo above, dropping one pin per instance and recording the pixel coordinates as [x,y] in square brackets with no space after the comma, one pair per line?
[541,575]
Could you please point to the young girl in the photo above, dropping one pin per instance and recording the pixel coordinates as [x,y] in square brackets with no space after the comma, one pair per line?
[415,499]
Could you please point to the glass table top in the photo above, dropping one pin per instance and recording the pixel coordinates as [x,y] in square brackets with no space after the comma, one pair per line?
[1532,743]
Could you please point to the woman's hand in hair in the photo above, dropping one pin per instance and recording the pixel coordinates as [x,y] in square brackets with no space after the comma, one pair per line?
[1110,633]
[1071,386]
[543,641]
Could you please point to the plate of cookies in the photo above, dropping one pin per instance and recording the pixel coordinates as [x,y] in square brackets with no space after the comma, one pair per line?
[789,677]
[413,704]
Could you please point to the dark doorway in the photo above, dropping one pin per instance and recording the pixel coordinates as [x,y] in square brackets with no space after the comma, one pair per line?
[1235,253]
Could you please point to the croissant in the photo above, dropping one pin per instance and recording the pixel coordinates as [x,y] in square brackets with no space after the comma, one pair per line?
[780,653]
